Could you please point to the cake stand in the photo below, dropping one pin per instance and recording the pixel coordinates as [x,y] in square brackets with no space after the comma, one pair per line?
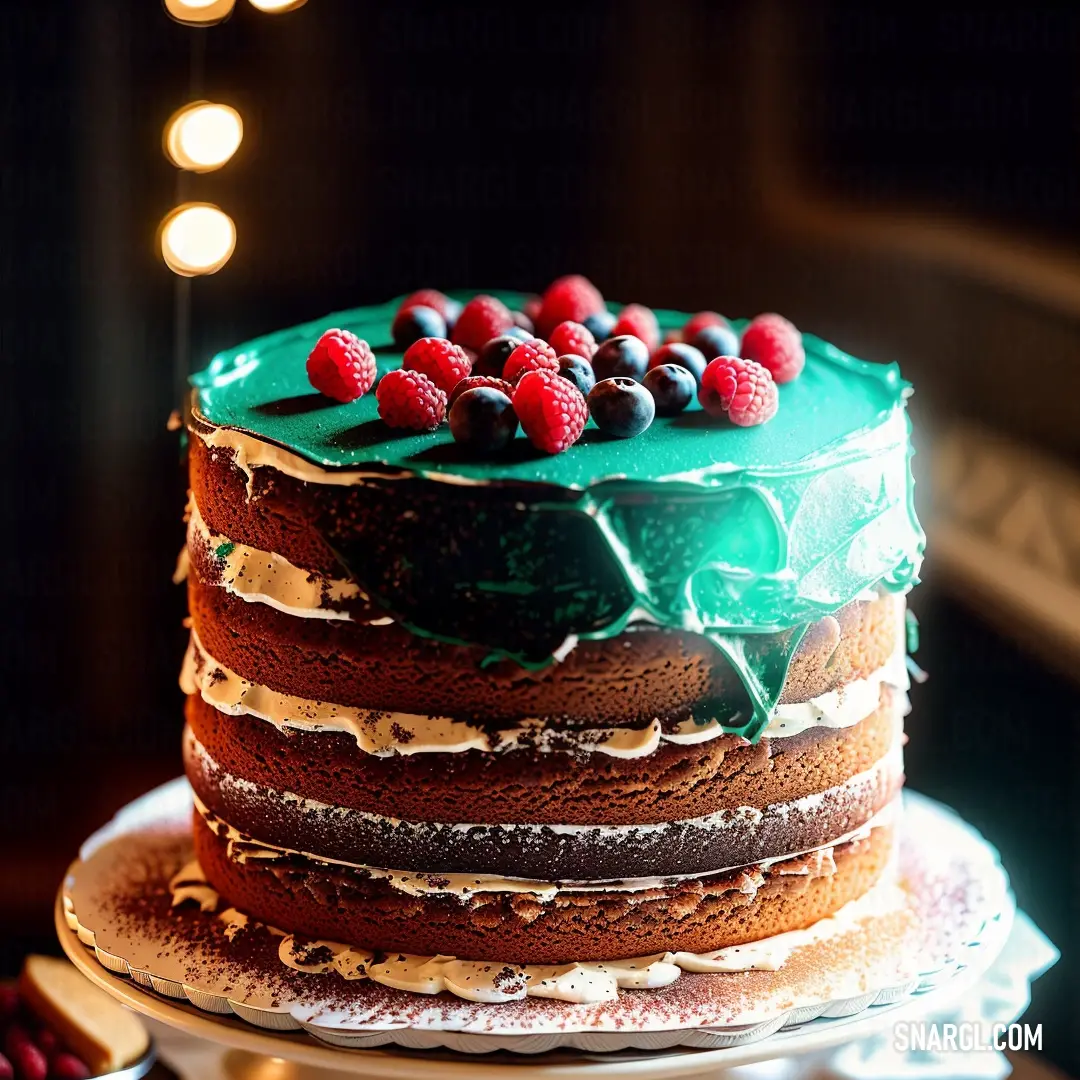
[959,916]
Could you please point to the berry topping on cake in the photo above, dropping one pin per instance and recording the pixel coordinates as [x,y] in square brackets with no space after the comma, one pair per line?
[483,419]
[621,407]
[716,340]
[551,409]
[413,323]
[437,301]
[626,356]
[572,298]
[579,371]
[531,355]
[741,388]
[572,337]
[599,324]
[640,321]
[409,399]
[678,352]
[493,356]
[481,319]
[474,381]
[776,344]
[672,386]
[341,366]
[444,363]
[696,323]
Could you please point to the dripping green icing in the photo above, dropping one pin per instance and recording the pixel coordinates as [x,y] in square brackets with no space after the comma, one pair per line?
[745,536]
[911,626]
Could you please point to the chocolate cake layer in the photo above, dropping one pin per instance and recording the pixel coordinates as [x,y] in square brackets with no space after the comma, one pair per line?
[723,838]
[675,781]
[341,904]
[630,679]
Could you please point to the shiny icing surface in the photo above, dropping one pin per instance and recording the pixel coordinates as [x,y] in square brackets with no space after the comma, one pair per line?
[744,535]
[262,387]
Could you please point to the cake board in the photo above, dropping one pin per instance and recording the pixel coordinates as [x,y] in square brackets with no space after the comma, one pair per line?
[961,913]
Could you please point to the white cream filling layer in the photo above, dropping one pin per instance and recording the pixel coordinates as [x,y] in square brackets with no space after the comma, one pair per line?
[580,983]
[250,453]
[383,734]
[265,577]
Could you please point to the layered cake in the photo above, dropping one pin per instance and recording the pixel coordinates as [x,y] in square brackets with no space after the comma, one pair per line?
[640,698]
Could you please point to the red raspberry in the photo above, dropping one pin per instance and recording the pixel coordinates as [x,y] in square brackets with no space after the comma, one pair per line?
[65,1066]
[531,308]
[409,399]
[552,410]
[432,298]
[572,298]
[444,364]
[530,355]
[696,323]
[741,388]
[481,319]
[341,366]
[775,344]
[640,321]
[27,1059]
[572,337]
[473,381]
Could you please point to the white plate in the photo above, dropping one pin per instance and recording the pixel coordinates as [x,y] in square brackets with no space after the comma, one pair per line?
[961,911]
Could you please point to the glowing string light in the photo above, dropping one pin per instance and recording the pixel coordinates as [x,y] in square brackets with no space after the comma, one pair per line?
[199,12]
[202,136]
[277,7]
[196,239]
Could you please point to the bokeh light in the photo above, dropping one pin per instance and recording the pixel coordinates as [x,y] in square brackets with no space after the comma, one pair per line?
[197,238]
[276,7]
[202,136]
[199,12]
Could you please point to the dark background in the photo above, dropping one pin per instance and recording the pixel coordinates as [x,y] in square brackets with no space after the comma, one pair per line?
[663,149]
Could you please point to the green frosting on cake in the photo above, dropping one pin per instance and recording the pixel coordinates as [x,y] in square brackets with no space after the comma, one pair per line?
[262,387]
[745,535]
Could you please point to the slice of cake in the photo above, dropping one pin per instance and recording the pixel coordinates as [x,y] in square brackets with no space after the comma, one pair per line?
[644,696]
[100,1031]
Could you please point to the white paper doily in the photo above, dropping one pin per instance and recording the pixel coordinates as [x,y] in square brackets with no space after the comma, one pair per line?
[1001,996]
[115,897]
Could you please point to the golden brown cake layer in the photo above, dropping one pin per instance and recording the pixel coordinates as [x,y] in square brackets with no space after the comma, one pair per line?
[727,835]
[675,781]
[626,680]
[700,915]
